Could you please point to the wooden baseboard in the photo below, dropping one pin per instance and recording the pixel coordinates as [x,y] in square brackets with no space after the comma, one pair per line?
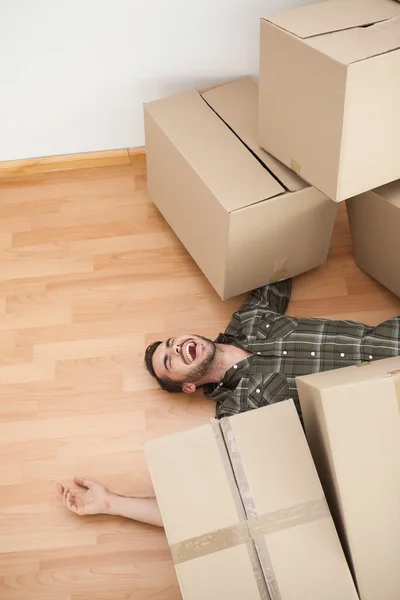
[67,162]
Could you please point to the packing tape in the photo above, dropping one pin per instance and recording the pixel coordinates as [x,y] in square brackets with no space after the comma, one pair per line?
[286,518]
[254,558]
[295,166]
[228,470]
[280,271]
[209,543]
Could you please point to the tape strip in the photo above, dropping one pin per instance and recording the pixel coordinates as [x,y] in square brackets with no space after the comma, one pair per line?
[227,463]
[228,470]
[295,166]
[209,543]
[280,271]
[238,469]
[250,508]
[286,518]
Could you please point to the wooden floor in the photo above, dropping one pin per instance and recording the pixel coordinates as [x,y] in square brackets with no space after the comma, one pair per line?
[89,274]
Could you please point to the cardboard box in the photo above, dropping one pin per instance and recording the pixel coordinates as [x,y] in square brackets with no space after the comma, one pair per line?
[374,219]
[330,93]
[352,423]
[245,219]
[244,511]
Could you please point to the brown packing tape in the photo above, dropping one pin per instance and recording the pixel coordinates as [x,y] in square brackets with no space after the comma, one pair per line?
[238,469]
[295,166]
[280,271]
[289,517]
[228,470]
[215,541]
[250,508]
[396,375]
[254,559]
[267,568]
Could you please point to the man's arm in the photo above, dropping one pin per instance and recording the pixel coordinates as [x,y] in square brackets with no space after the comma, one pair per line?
[274,297]
[94,499]
[144,510]
[277,295]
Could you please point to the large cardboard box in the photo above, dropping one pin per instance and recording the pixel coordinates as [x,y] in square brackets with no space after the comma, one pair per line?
[246,219]
[330,93]
[352,423]
[244,511]
[374,219]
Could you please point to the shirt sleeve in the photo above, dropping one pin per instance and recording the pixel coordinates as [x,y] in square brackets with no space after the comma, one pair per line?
[274,297]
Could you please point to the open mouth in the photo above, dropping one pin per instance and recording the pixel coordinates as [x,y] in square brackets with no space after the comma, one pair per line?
[189,352]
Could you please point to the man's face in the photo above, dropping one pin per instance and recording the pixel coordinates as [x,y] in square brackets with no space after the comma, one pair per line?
[185,358]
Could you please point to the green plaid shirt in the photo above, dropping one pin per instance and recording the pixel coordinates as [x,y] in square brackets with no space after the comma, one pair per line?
[284,348]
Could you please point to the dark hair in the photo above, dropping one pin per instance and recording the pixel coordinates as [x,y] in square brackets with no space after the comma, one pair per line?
[165,383]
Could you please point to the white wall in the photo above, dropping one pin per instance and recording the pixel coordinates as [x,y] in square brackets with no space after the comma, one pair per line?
[74,73]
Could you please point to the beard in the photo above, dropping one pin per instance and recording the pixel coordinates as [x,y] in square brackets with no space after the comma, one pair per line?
[200,371]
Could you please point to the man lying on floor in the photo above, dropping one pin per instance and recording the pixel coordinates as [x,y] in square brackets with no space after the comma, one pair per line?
[254,363]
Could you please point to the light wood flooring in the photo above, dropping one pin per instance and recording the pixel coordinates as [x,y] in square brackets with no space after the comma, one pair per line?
[89,274]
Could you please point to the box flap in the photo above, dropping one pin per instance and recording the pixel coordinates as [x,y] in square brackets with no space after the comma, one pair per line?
[230,171]
[237,105]
[353,45]
[335,15]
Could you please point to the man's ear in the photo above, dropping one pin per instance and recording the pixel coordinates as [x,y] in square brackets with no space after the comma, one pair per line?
[188,388]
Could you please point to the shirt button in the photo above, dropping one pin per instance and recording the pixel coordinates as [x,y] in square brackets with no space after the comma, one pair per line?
[257,391]
[258,352]
[370,357]
[342,354]
[312,353]
[284,352]
[235,366]
[220,384]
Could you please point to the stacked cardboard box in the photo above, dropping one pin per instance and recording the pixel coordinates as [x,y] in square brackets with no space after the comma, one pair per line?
[329,81]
